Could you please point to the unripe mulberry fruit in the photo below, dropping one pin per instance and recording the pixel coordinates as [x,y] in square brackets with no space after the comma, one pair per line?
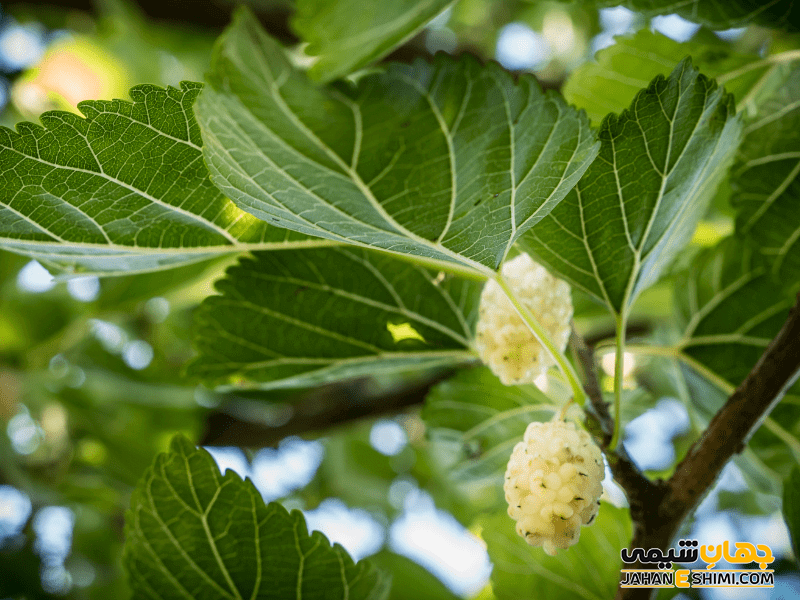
[503,340]
[553,484]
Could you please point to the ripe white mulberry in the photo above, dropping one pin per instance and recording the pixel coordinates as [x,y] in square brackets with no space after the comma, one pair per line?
[502,338]
[553,484]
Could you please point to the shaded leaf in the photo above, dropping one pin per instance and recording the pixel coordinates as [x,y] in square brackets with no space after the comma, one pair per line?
[342,44]
[412,581]
[721,15]
[791,508]
[450,161]
[20,576]
[589,570]
[730,309]
[610,82]
[473,422]
[766,182]
[301,318]
[123,189]
[640,201]
[194,533]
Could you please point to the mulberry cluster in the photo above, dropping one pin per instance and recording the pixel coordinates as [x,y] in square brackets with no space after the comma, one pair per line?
[502,338]
[553,484]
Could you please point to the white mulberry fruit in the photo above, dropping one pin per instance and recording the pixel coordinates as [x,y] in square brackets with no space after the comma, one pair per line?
[553,484]
[502,338]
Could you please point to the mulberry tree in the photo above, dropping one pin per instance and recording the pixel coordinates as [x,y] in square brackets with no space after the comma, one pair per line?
[324,220]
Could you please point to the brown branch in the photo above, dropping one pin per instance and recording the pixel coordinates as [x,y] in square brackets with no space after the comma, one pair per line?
[726,435]
[640,491]
[318,410]
[212,15]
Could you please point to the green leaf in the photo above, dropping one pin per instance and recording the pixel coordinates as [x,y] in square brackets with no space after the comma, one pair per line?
[413,581]
[450,161]
[639,202]
[791,508]
[342,43]
[123,189]
[731,309]
[720,15]
[589,570]
[766,182]
[300,318]
[194,533]
[610,82]
[473,422]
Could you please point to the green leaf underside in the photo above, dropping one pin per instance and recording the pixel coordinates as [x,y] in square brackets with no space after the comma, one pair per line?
[588,571]
[192,533]
[123,189]
[474,422]
[721,15]
[732,308]
[610,83]
[766,182]
[300,318]
[450,161]
[791,508]
[639,202]
[342,43]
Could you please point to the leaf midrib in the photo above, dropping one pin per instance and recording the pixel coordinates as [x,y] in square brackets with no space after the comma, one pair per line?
[194,217]
[352,175]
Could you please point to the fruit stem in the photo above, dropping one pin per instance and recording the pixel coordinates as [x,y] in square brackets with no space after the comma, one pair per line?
[619,364]
[540,333]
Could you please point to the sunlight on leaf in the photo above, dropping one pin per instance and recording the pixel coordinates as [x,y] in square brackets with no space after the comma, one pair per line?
[403,331]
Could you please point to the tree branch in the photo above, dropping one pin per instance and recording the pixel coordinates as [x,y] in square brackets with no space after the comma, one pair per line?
[213,15]
[640,491]
[726,435]
[320,409]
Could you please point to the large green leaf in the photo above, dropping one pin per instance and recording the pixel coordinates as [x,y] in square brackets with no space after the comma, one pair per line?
[343,43]
[299,318]
[473,422]
[609,83]
[589,570]
[720,15]
[412,581]
[123,189]
[450,161]
[639,202]
[731,308]
[766,182]
[194,533]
